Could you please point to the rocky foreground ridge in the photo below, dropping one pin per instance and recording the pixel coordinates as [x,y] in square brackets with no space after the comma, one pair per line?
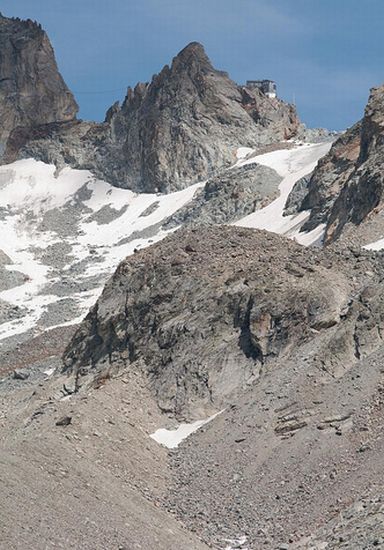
[287,342]
[205,312]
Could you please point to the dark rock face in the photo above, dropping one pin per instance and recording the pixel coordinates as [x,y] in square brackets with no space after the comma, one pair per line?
[203,313]
[179,129]
[348,183]
[75,143]
[32,91]
[229,196]
[297,195]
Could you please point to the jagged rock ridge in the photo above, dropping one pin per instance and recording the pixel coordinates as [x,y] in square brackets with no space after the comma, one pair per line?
[179,129]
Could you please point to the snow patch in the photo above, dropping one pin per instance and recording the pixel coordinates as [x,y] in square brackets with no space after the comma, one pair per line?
[243,152]
[377,245]
[173,438]
[236,544]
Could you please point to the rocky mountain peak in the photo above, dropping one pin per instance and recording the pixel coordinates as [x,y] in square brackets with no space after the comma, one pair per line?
[192,55]
[193,49]
[32,91]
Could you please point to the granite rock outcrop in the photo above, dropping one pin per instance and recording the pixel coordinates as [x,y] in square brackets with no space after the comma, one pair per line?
[32,91]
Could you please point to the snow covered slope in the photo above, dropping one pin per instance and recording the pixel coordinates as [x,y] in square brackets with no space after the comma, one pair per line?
[291,164]
[66,233]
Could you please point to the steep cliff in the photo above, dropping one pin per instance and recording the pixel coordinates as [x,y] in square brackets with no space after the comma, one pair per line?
[32,91]
[364,189]
[329,177]
[348,183]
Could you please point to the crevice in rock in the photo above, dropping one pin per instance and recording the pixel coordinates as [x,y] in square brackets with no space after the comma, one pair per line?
[246,341]
[357,345]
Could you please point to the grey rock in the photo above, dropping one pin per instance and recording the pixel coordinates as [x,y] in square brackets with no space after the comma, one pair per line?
[203,313]
[151,208]
[329,177]
[363,190]
[9,312]
[32,91]
[229,196]
[4,259]
[107,214]
[65,421]
[296,196]
[348,183]
[359,526]
[10,279]
[19,374]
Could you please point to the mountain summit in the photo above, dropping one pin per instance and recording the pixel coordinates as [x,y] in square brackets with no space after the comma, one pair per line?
[194,52]
[188,122]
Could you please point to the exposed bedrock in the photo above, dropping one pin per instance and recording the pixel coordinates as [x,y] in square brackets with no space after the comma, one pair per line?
[206,311]
[347,184]
[32,91]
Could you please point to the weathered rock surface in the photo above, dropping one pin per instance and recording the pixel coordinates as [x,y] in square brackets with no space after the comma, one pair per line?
[7,311]
[32,91]
[229,196]
[179,129]
[295,451]
[361,525]
[347,184]
[363,190]
[9,278]
[287,340]
[329,177]
[97,483]
[4,259]
[297,195]
[205,312]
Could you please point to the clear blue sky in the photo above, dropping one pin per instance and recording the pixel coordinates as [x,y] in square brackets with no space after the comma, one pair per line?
[325,53]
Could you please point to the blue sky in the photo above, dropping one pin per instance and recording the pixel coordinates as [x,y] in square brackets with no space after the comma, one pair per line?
[324,53]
